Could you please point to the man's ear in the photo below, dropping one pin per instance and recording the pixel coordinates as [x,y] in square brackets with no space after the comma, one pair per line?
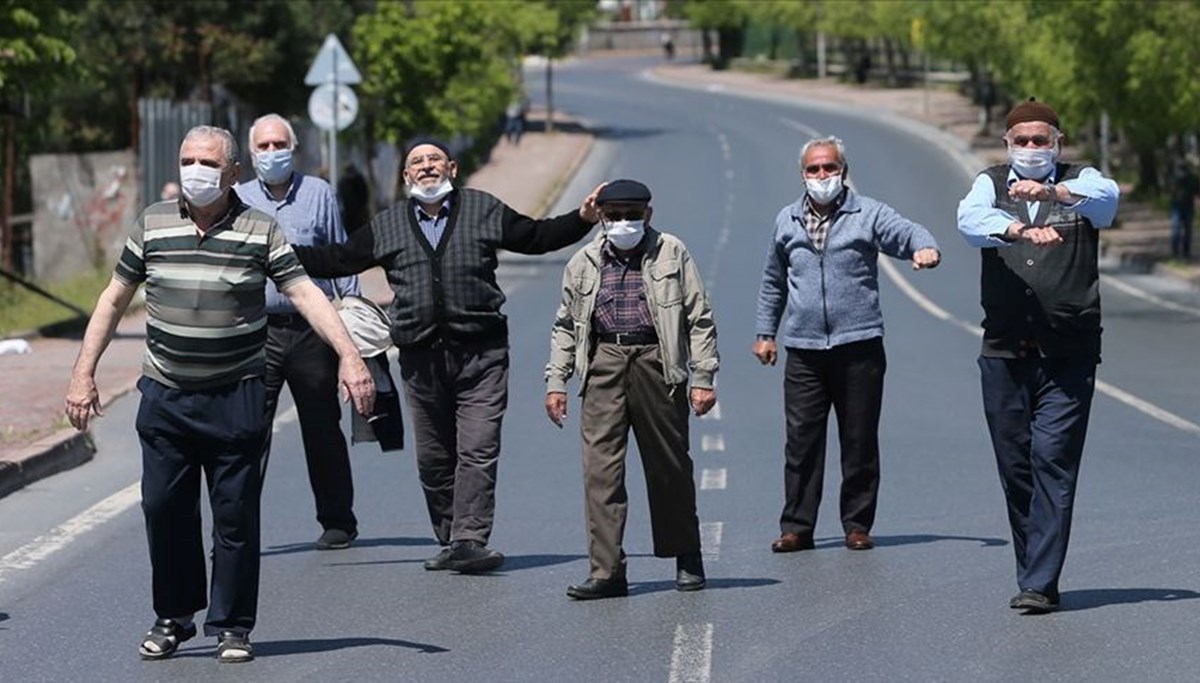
[452,169]
[649,213]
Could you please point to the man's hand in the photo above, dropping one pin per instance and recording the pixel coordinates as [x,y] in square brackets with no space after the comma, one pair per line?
[1042,237]
[556,407]
[588,210]
[1031,191]
[83,400]
[926,258]
[703,400]
[764,351]
[356,383]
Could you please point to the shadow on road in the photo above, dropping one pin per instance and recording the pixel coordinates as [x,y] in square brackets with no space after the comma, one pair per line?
[1101,597]
[3,617]
[289,548]
[511,562]
[914,539]
[276,648]
[644,587]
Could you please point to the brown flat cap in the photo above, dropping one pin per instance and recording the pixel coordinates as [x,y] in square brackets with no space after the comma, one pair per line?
[1031,110]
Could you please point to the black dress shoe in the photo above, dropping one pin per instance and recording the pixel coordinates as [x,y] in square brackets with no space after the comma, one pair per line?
[473,557]
[1034,602]
[336,539]
[596,589]
[689,573]
[439,562]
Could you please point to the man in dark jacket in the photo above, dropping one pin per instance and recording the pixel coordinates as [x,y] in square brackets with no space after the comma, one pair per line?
[438,248]
[1036,223]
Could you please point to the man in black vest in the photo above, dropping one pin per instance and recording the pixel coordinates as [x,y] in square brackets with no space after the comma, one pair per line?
[1036,220]
[438,248]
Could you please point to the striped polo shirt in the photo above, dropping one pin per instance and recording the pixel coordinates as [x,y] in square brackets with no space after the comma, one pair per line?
[206,323]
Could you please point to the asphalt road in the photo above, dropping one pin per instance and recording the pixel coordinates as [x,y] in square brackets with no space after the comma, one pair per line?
[928,604]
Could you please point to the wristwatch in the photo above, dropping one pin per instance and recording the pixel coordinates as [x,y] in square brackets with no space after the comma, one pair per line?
[1053,191]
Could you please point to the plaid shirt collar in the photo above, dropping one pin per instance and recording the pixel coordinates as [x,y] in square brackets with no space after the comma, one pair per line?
[817,225]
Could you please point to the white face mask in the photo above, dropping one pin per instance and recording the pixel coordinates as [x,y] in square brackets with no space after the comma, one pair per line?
[273,167]
[824,191]
[1032,163]
[432,193]
[625,235]
[200,184]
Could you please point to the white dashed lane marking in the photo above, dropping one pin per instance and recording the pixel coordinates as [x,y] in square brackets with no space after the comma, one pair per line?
[691,656]
[712,442]
[711,479]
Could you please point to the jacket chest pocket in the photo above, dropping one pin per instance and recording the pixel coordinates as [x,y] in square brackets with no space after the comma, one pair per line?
[585,291]
[666,286]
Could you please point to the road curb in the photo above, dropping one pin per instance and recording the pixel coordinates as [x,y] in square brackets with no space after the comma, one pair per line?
[58,452]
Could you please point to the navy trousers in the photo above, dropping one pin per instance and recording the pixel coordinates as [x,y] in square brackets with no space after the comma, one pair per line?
[218,432]
[1037,412]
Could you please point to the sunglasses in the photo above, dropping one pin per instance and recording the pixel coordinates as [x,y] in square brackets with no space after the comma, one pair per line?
[1025,140]
[813,169]
[627,215]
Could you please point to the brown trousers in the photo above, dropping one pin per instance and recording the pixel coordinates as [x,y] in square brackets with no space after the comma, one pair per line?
[625,388]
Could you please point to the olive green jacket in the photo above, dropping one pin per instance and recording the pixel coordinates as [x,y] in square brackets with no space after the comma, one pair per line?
[683,318]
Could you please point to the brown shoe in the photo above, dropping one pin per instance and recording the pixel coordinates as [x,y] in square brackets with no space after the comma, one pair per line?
[859,540]
[790,543]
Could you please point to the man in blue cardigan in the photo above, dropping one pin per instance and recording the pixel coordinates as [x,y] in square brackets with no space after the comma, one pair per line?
[821,268]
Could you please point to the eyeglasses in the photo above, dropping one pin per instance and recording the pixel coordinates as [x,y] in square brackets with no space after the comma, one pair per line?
[1025,140]
[627,215]
[421,160]
[813,169]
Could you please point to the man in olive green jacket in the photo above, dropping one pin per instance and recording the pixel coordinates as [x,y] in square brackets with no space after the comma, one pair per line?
[633,323]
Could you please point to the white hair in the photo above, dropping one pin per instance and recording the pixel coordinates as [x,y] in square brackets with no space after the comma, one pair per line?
[829,141]
[228,144]
[267,118]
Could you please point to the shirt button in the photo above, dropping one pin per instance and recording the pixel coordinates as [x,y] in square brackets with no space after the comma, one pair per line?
[1029,262]
[1029,318]
[1028,292]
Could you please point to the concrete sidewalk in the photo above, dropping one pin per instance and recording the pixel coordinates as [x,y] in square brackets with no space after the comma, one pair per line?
[1140,241]
[35,438]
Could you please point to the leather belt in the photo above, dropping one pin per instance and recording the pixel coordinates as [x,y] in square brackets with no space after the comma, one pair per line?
[627,338]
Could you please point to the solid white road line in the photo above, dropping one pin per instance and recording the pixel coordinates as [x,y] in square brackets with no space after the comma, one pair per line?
[1147,296]
[1139,404]
[691,656]
[712,479]
[710,539]
[807,130]
[60,536]
[712,442]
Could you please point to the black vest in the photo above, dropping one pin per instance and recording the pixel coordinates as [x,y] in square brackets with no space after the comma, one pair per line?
[446,294]
[1042,299]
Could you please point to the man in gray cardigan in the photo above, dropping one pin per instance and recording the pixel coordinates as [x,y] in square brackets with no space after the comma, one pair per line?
[822,269]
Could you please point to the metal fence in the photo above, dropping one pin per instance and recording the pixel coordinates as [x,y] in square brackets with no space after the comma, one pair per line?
[163,125]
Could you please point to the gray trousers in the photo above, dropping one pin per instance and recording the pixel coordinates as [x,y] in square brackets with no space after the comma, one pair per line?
[625,389]
[457,396]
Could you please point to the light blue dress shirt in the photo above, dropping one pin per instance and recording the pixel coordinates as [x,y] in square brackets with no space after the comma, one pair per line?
[980,221]
[433,227]
[309,217]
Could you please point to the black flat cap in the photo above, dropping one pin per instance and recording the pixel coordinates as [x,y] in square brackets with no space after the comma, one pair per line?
[426,140]
[623,191]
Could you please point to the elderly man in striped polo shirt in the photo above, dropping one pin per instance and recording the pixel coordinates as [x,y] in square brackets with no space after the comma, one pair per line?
[205,261]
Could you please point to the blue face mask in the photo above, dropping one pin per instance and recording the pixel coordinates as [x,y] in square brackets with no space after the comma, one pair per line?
[273,167]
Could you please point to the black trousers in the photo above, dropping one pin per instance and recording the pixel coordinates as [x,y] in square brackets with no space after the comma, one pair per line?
[219,433]
[296,354]
[457,396]
[1037,412]
[625,389]
[850,379]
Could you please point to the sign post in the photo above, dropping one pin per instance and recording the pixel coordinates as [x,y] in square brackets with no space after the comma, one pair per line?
[333,105]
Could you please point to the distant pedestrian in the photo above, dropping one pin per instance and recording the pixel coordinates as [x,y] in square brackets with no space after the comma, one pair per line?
[668,45]
[204,262]
[514,120]
[1184,189]
[307,212]
[1035,220]
[439,247]
[634,321]
[170,191]
[820,294]
[355,196]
